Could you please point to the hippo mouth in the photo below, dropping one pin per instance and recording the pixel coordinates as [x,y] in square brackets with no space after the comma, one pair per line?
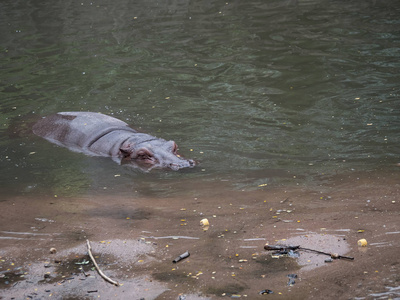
[183,164]
[175,166]
[148,165]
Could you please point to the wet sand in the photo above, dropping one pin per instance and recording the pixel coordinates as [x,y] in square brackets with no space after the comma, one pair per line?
[135,240]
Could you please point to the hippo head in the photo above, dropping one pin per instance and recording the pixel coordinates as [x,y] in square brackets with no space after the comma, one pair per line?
[154,153]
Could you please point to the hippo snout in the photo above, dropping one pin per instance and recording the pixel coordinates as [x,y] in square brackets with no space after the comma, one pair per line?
[190,163]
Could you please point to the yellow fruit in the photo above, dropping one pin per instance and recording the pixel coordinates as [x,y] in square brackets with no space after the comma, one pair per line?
[362,243]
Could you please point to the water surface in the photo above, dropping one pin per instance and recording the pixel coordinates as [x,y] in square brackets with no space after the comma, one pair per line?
[257,91]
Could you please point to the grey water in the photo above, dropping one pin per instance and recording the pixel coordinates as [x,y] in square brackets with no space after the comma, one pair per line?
[259,92]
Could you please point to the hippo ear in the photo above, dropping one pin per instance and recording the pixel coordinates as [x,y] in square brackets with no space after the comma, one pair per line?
[126,151]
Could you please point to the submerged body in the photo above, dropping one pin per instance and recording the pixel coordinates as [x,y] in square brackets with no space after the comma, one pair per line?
[101,135]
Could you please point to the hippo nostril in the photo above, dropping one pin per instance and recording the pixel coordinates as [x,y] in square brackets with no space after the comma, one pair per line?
[191,162]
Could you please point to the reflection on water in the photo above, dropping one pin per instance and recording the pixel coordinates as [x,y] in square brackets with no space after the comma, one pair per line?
[258,92]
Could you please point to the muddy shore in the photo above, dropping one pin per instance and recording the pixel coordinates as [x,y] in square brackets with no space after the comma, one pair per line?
[135,240]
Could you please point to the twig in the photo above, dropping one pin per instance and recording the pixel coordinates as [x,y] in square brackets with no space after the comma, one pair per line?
[83,271]
[283,201]
[97,267]
[332,255]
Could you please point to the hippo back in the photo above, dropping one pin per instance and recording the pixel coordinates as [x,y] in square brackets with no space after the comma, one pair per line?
[78,130]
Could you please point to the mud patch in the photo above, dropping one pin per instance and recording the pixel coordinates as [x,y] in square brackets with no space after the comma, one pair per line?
[70,274]
[120,213]
[11,278]
[136,247]
[320,242]
[228,290]
[269,265]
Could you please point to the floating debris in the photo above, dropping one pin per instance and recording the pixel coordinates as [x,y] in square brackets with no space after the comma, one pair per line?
[84,262]
[263,292]
[182,256]
[292,278]
[293,254]
[45,219]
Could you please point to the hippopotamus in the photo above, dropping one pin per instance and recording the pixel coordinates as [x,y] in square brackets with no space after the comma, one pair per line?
[97,134]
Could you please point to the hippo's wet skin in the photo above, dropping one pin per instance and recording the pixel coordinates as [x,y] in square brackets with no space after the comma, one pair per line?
[101,135]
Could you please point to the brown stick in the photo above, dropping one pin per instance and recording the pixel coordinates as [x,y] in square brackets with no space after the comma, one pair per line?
[332,255]
[97,267]
[280,247]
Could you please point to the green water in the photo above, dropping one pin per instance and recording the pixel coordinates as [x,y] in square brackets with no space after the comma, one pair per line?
[277,92]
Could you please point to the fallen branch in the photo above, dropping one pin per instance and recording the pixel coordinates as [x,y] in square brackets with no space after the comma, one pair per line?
[332,255]
[97,267]
[294,248]
[280,247]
